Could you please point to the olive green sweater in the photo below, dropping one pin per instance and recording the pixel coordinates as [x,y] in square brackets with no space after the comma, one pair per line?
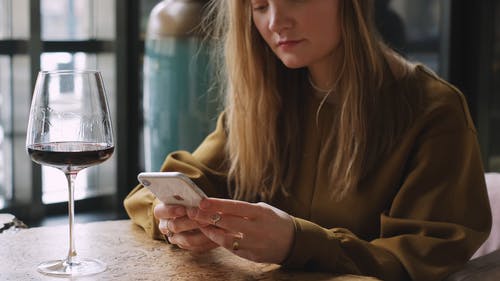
[419,215]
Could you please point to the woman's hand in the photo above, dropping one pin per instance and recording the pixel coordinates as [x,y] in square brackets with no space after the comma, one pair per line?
[181,230]
[258,232]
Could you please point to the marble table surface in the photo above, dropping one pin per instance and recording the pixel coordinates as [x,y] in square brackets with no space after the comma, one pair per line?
[131,255]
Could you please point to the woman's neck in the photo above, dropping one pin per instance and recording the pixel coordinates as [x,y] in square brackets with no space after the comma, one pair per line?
[323,74]
[321,77]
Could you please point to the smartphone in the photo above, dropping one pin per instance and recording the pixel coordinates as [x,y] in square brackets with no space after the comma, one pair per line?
[172,188]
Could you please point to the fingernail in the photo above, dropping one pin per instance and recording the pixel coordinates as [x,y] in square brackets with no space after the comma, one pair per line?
[163,223]
[204,204]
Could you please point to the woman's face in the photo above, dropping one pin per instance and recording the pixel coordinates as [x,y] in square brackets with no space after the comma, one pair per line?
[301,33]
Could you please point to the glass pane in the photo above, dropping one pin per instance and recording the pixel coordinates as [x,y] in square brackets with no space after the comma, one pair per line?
[494,141]
[21,19]
[105,179]
[67,61]
[77,19]
[66,19]
[21,102]
[6,149]
[14,19]
[106,64]
[93,181]
[5,131]
[5,94]
[105,16]
[22,169]
[146,6]
[415,28]
[5,19]
[22,93]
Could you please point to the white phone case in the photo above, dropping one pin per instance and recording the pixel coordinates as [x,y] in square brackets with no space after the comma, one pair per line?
[172,188]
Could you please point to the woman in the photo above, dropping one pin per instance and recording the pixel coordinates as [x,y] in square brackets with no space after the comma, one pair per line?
[366,163]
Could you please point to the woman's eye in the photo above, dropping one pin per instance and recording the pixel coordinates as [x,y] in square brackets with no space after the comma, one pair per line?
[259,5]
[259,8]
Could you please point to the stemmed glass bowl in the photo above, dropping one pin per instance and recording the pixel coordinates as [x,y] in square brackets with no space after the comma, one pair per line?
[70,129]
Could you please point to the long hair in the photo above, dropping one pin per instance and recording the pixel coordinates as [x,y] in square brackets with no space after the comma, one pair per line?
[371,116]
[263,112]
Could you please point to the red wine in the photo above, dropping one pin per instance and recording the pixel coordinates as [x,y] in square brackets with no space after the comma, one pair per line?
[71,156]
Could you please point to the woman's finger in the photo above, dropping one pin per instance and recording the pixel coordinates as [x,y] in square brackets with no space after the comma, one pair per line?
[163,211]
[252,238]
[228,240]
[164,228]
[233,207]
[194,241]
[178,225]
[230,223]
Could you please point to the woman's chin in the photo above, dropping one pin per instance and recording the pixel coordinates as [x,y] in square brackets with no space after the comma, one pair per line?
[292,64]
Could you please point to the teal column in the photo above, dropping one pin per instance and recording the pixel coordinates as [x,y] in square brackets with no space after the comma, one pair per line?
[179,111]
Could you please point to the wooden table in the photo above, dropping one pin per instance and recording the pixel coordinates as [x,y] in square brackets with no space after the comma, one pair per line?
[131,255]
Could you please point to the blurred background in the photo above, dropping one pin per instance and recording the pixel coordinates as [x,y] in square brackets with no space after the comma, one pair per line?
[458,39]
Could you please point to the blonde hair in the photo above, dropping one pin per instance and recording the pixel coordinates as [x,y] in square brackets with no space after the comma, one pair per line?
[263,112]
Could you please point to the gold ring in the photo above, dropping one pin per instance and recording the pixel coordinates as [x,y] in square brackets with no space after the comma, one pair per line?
[169,232]
[215,218]
[236,244]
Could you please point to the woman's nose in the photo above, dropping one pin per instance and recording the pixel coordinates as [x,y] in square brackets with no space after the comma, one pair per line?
[279,20]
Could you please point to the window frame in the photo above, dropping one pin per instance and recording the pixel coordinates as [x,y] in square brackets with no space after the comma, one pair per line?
[127,69]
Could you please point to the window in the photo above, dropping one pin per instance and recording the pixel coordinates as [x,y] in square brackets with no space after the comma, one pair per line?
[494,122]
[50,35]
[417,29]
[91,182]
[14,99]
[460,41]
[78,19]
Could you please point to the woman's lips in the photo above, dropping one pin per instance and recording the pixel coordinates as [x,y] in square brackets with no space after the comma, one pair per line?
[288,43]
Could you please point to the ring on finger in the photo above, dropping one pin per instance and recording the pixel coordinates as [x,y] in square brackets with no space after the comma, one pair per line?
[215,218]
[169,232]
[236,244]
[164,224]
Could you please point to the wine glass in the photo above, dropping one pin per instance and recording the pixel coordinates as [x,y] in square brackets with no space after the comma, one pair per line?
[69,129]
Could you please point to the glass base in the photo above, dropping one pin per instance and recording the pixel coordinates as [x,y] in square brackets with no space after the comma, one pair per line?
[79,267]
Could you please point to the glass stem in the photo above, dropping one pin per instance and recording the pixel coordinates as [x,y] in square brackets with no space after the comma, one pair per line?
[71,176]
